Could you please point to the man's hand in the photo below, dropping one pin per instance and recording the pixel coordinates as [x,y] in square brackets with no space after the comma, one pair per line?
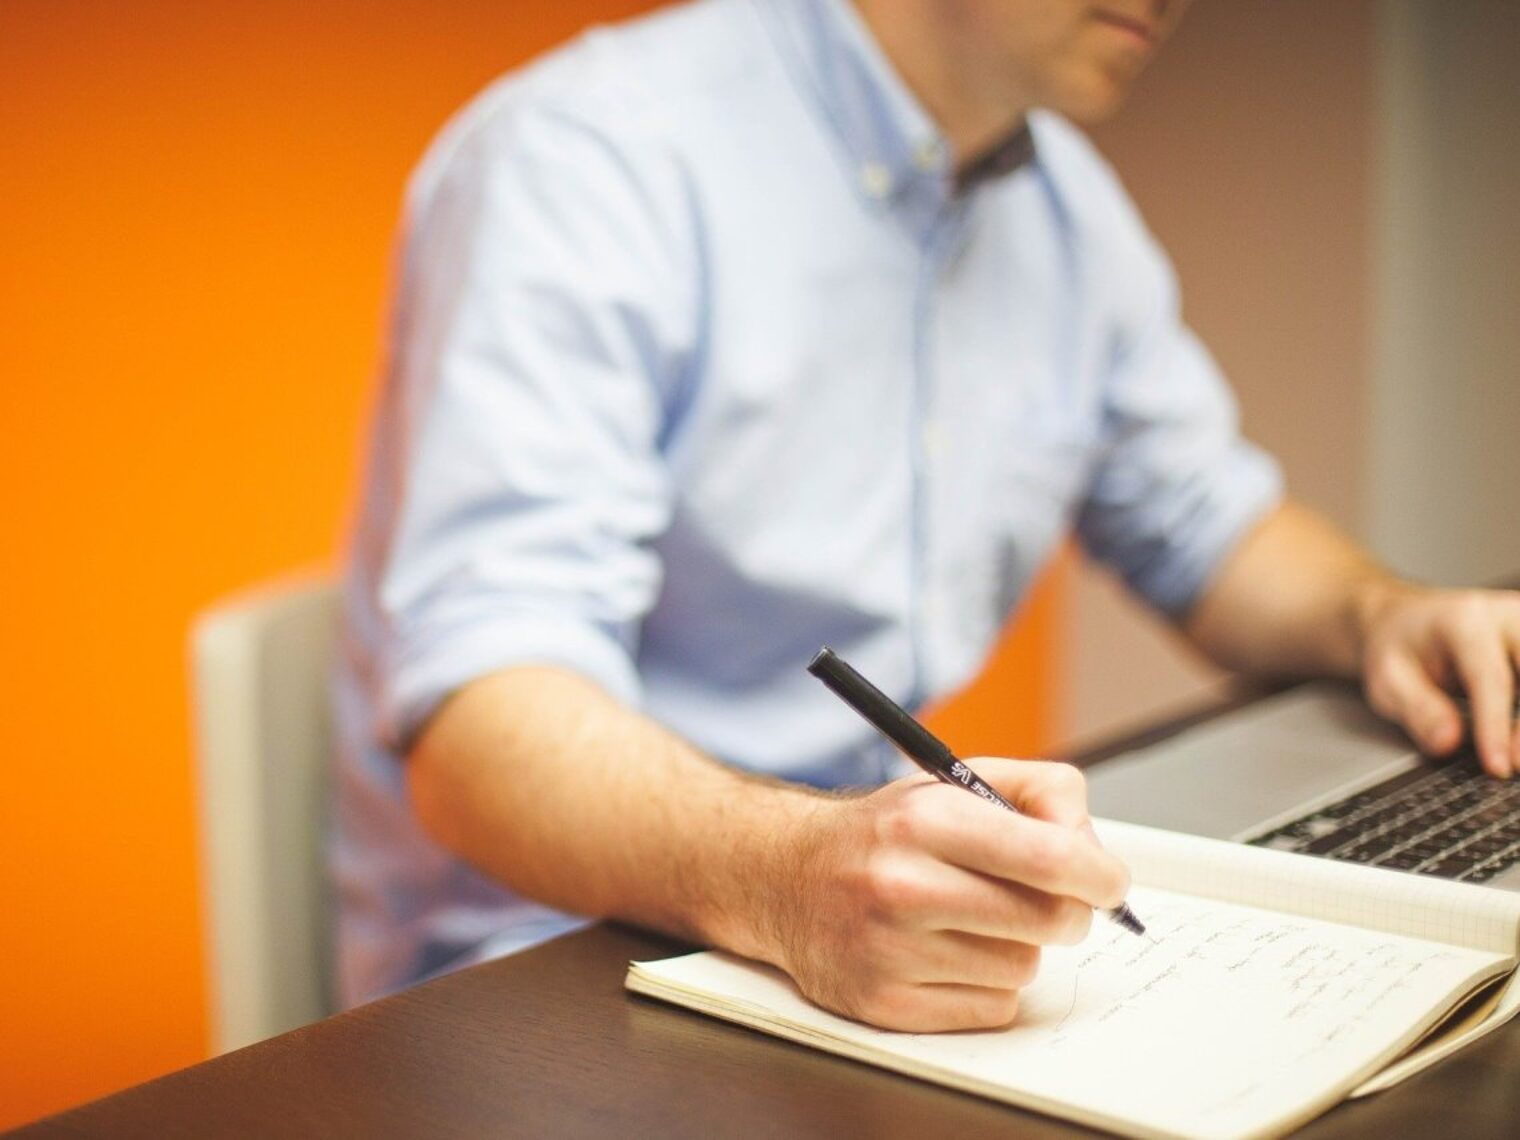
[914,907]
[1299,598]
[920,908]
[1421,645]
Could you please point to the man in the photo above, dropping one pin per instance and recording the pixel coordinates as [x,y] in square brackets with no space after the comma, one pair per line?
[759,324]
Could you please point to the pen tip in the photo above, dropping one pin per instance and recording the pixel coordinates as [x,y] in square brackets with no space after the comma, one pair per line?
[1126,918]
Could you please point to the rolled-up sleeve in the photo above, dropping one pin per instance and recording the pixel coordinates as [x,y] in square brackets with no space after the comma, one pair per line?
[544,316]
[1177,485]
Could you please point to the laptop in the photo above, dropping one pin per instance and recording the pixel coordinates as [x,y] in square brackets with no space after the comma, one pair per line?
[1314,770]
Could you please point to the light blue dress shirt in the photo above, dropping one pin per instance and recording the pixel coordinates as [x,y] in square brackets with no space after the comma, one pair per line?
[699,361]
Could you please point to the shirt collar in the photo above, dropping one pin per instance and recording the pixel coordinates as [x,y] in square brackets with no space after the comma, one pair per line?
[1014,151]
[891,140]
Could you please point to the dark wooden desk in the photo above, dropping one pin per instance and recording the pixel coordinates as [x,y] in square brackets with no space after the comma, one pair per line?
[547,1043]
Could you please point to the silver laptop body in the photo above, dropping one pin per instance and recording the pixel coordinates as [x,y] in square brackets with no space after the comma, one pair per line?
[1247,773]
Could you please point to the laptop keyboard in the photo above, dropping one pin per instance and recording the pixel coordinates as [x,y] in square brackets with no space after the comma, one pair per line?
[1451,821]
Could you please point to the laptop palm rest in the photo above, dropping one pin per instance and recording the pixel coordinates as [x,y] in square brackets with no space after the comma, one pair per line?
[1242,772]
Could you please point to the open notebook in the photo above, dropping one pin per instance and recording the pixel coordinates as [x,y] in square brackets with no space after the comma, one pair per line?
[1276,985]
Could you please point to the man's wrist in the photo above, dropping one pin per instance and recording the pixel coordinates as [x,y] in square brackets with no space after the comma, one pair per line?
[764,878]
[1370,598]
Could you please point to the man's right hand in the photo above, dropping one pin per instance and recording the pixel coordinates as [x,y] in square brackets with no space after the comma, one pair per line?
[920,908]
[915,907]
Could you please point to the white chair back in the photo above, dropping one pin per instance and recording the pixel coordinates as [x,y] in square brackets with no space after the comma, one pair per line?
[261,664]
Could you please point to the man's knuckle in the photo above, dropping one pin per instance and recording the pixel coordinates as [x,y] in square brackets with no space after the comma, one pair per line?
[999,1008]
[1070,777]
[1471,618]
[1024,965]
[912,820]
[1382,673]
[898,825]
[1048,920]
[1079,919]
[891,887]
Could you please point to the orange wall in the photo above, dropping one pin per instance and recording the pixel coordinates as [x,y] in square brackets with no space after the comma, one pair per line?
[1017,707]
[196,205]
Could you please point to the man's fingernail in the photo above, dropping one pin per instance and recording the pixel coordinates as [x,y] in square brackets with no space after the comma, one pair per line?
[1087,830]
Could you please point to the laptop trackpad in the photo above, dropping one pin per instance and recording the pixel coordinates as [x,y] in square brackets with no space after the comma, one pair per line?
[1275,758]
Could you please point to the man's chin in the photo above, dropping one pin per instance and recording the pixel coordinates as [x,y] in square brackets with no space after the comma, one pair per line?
[1090,99]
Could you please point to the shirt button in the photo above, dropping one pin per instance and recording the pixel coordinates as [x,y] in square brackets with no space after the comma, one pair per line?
[876,179]
[934,439]
[927,154]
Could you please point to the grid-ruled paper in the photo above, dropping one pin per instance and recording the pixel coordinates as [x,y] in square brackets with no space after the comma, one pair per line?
[1231,1022]
[1395,902]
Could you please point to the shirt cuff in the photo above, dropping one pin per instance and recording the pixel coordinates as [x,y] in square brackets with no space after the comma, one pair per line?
[1239,498]
[426,675]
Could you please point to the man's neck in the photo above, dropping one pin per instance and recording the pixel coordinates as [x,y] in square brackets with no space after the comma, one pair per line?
[926,48]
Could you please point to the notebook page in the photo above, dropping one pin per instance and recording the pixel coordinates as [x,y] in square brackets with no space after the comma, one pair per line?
[1500,1011]
[1233,1022]
[1392,901]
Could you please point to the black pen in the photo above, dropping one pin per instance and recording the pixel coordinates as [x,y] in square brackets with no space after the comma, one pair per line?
[920,745]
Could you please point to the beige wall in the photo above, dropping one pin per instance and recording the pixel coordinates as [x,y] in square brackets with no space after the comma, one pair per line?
[1444,499]
[1248,146]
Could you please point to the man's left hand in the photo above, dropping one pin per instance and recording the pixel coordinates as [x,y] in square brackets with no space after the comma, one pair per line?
[1421,645]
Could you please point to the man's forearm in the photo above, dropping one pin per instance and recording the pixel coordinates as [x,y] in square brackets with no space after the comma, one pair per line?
[542,781]
[914,907]
[1295,598]
[1300,598]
